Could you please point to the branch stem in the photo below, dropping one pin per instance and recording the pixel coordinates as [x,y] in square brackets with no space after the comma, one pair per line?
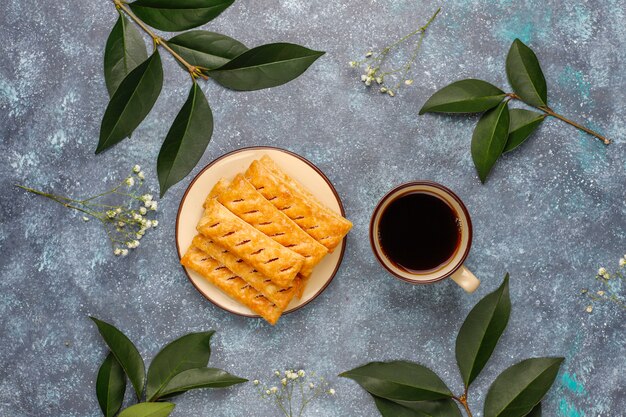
[159,41]
[547,110]
[463,401]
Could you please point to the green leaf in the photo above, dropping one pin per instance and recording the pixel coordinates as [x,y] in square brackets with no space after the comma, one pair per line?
[536,411]
[110,386]
[489,139]
[131,102]
[160,409]
[186,141]
[265,66]
[206,49]
[126,354]
[439,408]
[124,51]
[518,389]
[525,75]
[399,380]
[199,378]
[481,331]
[464,96]
[187,352]
[523,124]
[178,15]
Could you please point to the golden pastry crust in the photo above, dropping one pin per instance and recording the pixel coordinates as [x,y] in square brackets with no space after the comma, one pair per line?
[279,296]
[303,283]
[231,284]
[245,201]
[325,226]
[221,186]
[267,256]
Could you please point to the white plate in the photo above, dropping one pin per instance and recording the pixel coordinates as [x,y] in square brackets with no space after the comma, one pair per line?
[229,165]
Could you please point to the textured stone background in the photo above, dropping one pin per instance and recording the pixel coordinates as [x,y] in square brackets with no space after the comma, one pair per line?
[551,214]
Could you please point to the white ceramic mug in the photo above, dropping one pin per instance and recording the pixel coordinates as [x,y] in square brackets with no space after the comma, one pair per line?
[454,267]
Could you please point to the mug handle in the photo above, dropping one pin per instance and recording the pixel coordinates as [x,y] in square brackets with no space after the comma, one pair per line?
[465,279]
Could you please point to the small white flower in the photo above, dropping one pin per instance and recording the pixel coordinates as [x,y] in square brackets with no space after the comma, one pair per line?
[273,390]
[311,385]
[118,210]
[602,271]
[129,244]
[353,64]
[256,382]
[153,205]
[136,169]
[268,392]
[141,231]
[383,90]
[371,72]
[147,224]
[369,54]
[408,82]
[293,375]
[117,251]
[124,252]
[276,373]
[379,80]
[391,93]
[129,181]
[606,276]
[121,224]
[600,293]
[155,223]
[141,175]
[111,214]
[146,197]
[138,235]
[368,82]
[622,262]
[589,309]
[283,381]
[85,218]
[331,391]
[301,373]
[142,210]
[137,217]
[363,77]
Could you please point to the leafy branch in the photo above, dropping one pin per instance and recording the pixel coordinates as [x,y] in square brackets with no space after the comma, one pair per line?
[179,367]
[501,129]
[407,389]
[134,80]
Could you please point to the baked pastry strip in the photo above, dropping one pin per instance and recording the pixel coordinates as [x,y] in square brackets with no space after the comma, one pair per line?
[325,226]
[303,283]
[245,201]
[231,284]
[279,296]
[221,186]
[267,256]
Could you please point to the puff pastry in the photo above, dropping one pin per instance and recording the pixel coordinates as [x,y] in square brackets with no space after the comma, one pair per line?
[267,256]
[325,226]
[231,284]
[279,296]
[245,201]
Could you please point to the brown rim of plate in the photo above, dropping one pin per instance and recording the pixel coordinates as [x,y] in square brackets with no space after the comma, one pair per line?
[451,194]
[251,148]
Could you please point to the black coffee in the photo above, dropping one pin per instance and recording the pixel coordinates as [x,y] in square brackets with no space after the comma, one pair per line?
[419,232]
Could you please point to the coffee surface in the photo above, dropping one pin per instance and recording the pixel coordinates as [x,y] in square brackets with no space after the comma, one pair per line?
[419,232]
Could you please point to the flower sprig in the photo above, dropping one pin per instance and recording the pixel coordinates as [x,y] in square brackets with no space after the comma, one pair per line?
[291,385]
[375,60]
[610,287]
[125,222]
